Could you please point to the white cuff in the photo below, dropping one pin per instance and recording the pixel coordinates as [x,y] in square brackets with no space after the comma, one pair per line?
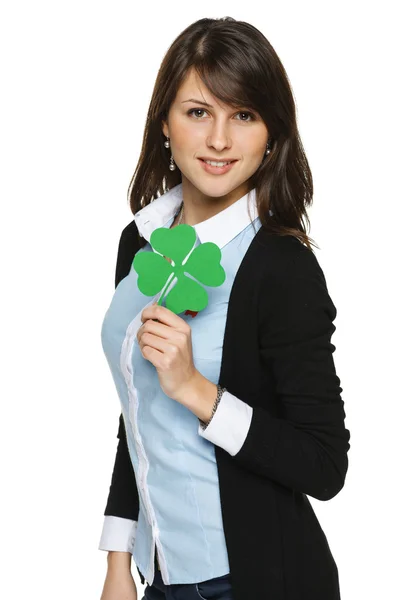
[118,534]
[230,424]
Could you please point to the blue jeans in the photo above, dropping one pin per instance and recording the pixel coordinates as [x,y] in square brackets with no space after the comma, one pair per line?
[218,588]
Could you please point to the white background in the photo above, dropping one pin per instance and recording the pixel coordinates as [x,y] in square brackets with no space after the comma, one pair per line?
[76,81]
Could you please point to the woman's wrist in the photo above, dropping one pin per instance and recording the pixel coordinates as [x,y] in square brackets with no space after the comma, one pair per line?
[119,560]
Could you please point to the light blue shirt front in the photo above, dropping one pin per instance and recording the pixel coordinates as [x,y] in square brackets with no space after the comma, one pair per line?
[173,458]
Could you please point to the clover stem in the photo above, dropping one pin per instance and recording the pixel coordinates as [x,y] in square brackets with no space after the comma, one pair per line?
[166,289]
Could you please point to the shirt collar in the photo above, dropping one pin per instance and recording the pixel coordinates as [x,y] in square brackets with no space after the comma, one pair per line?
[220,229]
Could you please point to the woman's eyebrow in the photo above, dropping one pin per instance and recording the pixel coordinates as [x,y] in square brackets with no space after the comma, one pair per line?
[198,102]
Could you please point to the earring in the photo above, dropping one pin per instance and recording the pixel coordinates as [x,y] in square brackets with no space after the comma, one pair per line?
[268,150]
[172,165]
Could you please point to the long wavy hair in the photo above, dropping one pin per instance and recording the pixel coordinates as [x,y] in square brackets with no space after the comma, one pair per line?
[241,68]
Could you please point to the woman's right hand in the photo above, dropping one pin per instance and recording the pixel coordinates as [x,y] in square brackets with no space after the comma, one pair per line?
[119,585]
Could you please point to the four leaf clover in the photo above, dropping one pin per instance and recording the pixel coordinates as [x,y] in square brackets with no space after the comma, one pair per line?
[155,272]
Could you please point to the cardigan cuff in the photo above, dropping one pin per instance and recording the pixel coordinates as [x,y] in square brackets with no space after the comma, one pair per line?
[118,534]
[230,424]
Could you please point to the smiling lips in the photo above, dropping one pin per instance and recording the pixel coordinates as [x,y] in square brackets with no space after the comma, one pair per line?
[216,159]
[217,170]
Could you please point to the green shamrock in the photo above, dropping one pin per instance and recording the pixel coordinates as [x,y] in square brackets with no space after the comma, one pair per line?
[154,271]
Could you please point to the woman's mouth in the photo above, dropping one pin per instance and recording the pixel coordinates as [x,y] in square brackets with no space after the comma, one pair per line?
[215,169]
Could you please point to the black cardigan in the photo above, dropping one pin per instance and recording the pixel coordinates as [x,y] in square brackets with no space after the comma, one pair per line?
[277,357]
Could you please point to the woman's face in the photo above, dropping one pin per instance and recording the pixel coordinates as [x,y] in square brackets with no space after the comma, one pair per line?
[217,132]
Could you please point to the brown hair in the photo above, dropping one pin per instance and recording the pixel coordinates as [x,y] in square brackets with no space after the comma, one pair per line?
[239,67]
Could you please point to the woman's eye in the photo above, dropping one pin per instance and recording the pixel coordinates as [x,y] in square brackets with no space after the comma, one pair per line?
[196,110]
[248,114]
[201,110]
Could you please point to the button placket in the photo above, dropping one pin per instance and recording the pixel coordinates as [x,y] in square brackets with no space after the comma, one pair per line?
[128,346]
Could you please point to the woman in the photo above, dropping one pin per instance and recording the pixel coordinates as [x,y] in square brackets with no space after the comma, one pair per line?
[231,416]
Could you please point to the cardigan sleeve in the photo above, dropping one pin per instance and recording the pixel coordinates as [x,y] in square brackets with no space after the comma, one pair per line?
[304,448]
[122,508]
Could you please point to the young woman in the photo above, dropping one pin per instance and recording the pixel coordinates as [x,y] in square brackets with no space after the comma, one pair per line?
[231,416]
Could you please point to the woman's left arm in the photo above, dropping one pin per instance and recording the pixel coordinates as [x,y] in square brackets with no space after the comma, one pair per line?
[306,448]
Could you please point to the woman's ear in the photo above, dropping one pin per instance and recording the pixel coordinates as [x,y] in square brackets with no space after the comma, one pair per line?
[165,128]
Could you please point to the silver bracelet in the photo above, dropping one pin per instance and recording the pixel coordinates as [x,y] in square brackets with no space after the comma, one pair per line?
[221,390]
